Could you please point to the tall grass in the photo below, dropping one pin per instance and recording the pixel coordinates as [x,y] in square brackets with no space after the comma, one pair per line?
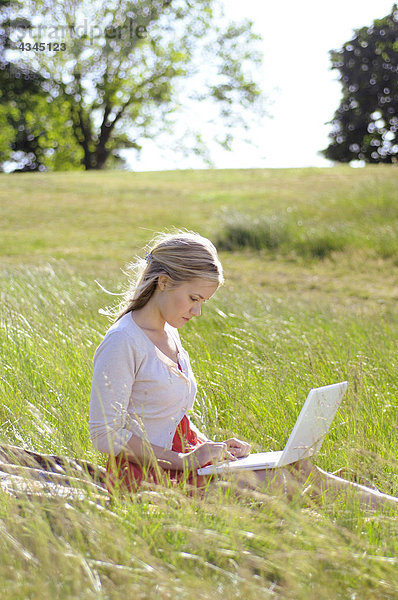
[254,363]
[281,325]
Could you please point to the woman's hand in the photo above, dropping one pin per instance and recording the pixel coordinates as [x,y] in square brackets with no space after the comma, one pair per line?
[238,448]
[205,453]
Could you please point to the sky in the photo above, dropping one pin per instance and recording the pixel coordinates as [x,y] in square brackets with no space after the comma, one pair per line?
[302,91]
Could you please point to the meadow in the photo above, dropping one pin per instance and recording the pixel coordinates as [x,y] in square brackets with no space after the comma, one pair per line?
[311,266]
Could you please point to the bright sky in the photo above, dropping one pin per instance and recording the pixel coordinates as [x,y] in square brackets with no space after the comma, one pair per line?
[296,78]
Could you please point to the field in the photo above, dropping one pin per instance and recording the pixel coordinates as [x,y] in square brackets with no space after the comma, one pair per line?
[311,266]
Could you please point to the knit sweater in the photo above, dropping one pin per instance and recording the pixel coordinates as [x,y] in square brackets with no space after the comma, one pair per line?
[137,389]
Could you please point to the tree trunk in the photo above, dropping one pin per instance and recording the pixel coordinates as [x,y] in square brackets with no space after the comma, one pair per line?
[101,154]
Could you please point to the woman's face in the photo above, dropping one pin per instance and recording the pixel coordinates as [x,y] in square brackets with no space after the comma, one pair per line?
[180,304]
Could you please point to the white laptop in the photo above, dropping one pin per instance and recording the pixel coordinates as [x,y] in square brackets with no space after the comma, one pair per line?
[305,439]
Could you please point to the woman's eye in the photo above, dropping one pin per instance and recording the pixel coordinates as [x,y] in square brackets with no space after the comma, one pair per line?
[194,299]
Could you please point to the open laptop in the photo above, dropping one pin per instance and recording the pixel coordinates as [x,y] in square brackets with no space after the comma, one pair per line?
[305,439]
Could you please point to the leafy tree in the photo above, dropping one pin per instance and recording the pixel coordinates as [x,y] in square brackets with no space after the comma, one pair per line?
[127,69]
[30,125]
[366,123]
[15,83]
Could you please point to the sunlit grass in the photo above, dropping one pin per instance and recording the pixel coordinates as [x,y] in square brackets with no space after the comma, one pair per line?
[66,215]
[254,364]
[280,325]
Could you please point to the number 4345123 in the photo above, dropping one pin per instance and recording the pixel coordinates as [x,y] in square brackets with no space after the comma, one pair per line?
[42,46]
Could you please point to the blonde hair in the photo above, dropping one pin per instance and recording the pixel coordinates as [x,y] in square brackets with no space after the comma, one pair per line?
[182,256]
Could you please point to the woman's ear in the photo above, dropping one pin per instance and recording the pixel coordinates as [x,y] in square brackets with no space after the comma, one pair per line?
[163,282]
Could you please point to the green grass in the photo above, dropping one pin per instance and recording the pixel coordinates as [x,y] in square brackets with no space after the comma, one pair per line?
[285,321]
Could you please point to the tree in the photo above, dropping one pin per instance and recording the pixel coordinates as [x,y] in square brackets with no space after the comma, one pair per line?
[366,123]
[29,124]
[123,73]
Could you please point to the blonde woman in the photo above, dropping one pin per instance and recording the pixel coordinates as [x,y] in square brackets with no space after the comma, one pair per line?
[143,386]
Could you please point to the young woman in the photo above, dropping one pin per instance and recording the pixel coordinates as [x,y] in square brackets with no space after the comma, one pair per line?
[143,386]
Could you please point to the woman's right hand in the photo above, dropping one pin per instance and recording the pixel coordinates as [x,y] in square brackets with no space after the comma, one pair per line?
[205,453]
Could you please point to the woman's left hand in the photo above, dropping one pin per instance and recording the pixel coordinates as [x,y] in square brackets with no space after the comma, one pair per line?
[238,448]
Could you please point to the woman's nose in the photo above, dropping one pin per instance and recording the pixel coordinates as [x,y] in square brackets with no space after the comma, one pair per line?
[196,310]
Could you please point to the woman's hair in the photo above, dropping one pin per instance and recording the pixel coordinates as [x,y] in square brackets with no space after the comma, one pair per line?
[182,256]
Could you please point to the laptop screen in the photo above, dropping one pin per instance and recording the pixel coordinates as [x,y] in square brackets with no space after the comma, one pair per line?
[313,422]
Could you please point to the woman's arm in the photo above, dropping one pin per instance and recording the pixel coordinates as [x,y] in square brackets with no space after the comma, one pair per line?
[113,377]
[144,453]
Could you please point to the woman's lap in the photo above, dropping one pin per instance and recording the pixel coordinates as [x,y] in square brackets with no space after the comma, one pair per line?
[126,476]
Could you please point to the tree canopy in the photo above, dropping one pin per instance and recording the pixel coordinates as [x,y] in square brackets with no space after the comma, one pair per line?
[111,75]
[366,123]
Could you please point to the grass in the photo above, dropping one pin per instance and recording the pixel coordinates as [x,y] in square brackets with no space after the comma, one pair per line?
[274,235]
[286,320]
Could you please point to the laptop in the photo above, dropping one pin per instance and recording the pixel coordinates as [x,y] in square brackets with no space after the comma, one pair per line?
[305,439]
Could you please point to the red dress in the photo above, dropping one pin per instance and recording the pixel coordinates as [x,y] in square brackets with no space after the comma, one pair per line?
[127,476]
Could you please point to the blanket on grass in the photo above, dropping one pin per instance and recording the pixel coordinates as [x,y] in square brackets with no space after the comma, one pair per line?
[27,473]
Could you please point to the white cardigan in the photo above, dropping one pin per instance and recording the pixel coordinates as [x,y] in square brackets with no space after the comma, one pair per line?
[137,389]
